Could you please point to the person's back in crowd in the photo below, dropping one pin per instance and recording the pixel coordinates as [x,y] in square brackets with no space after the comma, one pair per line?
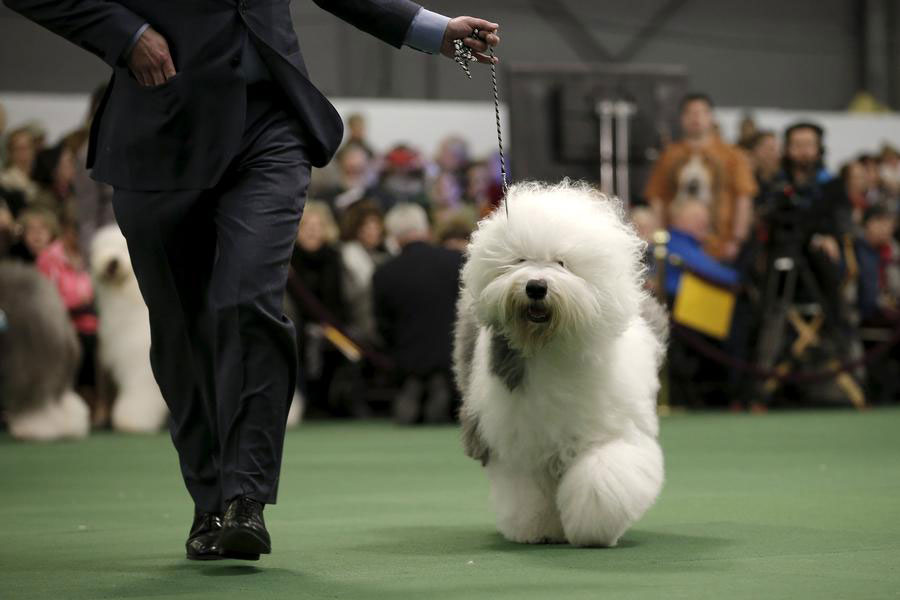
[415,299]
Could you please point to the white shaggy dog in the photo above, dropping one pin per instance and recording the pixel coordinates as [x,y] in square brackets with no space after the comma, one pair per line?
[39,356]
[557,355]
[124,336]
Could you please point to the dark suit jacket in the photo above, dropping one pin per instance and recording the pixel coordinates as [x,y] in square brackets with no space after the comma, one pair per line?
[183,134]
[415,306]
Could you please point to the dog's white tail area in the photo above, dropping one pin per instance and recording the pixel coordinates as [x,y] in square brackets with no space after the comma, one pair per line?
[608,488]
[67,418]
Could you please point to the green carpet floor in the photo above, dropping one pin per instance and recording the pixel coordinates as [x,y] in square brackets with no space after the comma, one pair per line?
[799,505]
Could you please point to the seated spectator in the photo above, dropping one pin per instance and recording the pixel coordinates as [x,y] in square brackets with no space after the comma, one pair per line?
[316,265]
[479,193]
[63,263]
[54,173]
[875,190]
[848,193]
[764,153]
[878,258]
[38,227]
[356,133]
[93,199]
[402,179]
[415,299]
[878,300]
[7,230]
[446,197]
[890,173]
[452,156]
[361,252]
[16,174]
[646,225]
[747,132]
[645,222]
[689,230]
[2,130]
[38,134]
[455,232]
[354,178]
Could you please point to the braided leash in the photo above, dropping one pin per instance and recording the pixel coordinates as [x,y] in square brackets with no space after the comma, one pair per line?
[463,55]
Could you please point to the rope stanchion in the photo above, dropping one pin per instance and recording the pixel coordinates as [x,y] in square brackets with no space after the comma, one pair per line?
[715,354]
[321,313]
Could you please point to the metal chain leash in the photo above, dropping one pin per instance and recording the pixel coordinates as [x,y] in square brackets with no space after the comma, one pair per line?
[463,55]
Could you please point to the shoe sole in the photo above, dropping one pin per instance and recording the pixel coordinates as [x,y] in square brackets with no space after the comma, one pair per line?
[240,543]
[204,556]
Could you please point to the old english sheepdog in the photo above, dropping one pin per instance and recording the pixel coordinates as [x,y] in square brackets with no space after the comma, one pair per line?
[557,354]
[39,356]
[124,336]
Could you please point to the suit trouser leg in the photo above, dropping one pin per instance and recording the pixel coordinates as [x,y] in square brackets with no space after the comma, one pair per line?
[257,215]
[172,240]
[212,266]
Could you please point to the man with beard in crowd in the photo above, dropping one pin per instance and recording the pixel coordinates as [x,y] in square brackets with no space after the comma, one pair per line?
[804,221]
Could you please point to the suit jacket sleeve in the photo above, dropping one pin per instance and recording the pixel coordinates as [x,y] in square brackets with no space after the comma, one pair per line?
[102,27]
[387,20]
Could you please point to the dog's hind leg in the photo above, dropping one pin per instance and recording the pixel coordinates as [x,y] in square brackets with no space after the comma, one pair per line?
[523,502]
[609,487]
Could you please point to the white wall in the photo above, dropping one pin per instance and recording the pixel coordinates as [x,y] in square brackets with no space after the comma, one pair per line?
[419,123]
[424,123]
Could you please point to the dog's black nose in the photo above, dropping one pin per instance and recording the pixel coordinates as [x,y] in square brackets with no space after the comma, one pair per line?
[536,289]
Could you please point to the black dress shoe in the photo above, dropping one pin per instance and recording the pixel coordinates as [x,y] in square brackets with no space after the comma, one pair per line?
[244,532]
[203,540]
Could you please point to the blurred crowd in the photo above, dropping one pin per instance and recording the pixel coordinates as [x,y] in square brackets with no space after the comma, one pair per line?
[374,275]
[809,257]
[373,278]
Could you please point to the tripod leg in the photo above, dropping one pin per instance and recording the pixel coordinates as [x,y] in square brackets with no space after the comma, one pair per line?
[779,296]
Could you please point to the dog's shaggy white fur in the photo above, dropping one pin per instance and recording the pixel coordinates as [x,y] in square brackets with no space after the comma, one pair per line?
[560,391]
[124,336]
[38,359]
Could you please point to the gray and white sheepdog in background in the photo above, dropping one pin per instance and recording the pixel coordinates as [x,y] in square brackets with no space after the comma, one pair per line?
[557,354]
[124,336]
[39,355]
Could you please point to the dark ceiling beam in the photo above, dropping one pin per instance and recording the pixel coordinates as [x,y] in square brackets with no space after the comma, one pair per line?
[572,30]
[656,22]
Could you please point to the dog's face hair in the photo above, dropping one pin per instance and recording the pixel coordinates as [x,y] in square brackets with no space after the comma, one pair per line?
[110,262]
[564,264]
[506,363]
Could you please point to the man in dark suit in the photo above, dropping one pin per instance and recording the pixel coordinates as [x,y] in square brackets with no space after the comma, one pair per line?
[414,297]
[207,133]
